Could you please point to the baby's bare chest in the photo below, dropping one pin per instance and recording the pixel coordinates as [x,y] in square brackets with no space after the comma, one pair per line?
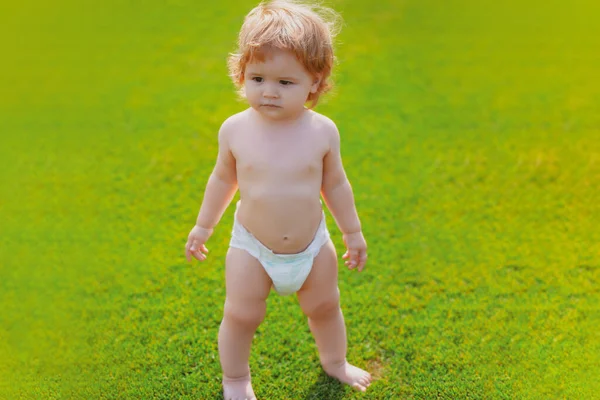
[289,156]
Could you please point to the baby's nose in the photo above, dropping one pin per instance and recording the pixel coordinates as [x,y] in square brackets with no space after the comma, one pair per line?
[270,92]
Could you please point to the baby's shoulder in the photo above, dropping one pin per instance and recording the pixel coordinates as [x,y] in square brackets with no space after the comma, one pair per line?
[322,122]
[232,125]
[324,125]
[234,121]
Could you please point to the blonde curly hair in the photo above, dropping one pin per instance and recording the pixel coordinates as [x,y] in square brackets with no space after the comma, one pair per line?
[307,30]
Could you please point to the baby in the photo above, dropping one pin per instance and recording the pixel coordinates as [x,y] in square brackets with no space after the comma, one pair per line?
[282,156]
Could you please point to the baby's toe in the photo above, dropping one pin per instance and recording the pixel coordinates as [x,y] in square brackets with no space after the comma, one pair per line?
[360,387]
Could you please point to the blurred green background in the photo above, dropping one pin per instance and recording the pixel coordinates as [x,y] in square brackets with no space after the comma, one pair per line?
[470,133]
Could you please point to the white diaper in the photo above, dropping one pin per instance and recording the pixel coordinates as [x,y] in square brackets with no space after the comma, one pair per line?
[287,271]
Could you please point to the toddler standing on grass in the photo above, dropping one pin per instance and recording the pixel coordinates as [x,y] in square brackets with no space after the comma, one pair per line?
[281,156]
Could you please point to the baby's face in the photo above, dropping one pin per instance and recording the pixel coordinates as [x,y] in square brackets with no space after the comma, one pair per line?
[278,87]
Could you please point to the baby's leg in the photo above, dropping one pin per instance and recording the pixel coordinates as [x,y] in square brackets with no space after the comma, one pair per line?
[247,287]
[319,298]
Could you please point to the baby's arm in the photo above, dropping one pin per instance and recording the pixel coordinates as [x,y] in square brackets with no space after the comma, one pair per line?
[220,189]
[338,196]
[222,183]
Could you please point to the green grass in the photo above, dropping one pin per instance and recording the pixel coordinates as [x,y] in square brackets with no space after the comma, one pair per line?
[470,135]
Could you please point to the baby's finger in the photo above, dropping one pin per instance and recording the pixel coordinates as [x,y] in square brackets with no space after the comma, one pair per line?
[353,261]
[193,250]
[362,262]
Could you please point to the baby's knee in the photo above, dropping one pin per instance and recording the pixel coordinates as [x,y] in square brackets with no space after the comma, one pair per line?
[324,308]
[246,314]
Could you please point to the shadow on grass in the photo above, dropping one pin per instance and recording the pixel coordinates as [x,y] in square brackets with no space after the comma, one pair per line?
[326,387]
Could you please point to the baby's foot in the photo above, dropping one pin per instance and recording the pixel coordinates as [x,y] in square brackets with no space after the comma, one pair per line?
[349,374]
[238,389]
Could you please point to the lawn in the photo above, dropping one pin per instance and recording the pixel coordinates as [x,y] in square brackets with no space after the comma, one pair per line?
[470,133]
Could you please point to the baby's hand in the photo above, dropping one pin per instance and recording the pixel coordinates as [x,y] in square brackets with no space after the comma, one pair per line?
[195,244]
[356,255]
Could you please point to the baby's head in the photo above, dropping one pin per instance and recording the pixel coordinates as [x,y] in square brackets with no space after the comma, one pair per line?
[305,31]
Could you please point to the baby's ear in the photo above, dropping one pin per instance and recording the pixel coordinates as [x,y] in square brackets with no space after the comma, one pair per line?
[316,83]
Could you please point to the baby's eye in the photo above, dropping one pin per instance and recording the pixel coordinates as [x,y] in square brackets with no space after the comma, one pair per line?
[257,79]
[286,83]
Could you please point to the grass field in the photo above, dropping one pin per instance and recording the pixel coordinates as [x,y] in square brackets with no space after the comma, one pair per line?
[470,133]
